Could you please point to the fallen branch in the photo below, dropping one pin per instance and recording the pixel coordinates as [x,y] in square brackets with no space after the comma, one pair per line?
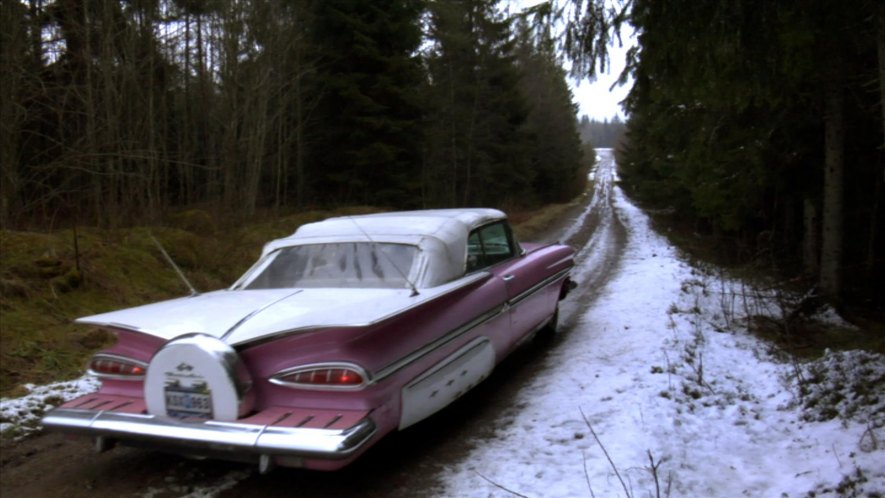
[587,475]
[653,468]
[493,483]
[605,452]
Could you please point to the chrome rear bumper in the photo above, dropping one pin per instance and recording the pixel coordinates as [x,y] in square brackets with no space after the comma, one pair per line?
[260,442]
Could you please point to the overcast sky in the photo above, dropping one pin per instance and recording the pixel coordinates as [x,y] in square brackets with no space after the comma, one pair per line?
[593,97]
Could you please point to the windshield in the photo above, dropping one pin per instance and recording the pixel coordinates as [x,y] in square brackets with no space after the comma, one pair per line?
[352,264]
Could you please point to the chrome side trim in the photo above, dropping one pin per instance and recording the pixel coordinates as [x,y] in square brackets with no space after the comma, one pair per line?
[423,351]
[537,287]
[463,329]
[121,326]
[467,280]
[227,437]
[569,258]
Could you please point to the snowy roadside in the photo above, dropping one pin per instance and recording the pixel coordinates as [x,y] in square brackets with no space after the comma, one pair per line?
[683,404]
[20,416]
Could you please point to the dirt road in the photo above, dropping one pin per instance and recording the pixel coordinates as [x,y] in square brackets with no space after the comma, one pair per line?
[404,464]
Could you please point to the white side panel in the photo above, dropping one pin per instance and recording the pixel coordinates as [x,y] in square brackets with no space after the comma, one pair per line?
[446,382]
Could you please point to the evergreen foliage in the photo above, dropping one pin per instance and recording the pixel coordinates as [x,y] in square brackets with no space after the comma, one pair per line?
[554,154]
[605,134]
[476,152]
[737,119]
[368,131]
[115,113]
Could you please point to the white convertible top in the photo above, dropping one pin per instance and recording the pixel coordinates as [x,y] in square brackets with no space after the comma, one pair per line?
[440,234]
[239,317]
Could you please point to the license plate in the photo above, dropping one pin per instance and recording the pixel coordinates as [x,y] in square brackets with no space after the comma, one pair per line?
[188,404]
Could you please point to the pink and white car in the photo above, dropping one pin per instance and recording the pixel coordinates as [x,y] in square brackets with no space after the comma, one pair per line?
[346,330]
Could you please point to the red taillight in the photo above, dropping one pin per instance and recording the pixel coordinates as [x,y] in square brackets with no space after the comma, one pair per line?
[116,367]
[322,377]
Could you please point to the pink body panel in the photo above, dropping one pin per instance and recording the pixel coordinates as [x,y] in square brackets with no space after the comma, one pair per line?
[382,344]
[303,418]
[108,402]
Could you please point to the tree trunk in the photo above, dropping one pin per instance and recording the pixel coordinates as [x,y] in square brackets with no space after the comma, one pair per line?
[12,114]
[300,180]
[878,179]
[881,49]
[834,172]
[811,236]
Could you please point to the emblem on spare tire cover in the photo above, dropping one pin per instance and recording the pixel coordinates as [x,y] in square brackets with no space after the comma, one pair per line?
[197,376]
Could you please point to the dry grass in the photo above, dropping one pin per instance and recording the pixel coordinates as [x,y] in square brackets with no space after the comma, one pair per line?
[529,225]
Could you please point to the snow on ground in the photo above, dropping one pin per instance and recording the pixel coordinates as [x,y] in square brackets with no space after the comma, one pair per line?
[22,415]
[657,377]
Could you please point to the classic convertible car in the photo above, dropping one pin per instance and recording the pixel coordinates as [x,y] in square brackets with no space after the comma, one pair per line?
[346,330]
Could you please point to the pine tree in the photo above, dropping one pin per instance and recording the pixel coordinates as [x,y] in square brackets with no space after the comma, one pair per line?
[746,114]
[554,153]
[366,138]
[476,110]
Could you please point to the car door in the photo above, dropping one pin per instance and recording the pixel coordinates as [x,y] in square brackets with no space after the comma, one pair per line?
[493,247]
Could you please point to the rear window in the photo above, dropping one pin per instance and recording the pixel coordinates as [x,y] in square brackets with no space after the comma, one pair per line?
[352,265]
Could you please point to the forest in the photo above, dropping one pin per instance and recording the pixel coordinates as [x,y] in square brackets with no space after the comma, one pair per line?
[605,134]
[760,124]
[114,113]
[757,125]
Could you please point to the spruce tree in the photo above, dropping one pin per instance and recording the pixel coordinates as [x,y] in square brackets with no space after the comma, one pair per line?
[477,111]
[366,137]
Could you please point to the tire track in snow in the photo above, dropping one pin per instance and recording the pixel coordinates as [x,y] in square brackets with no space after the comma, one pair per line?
[599,236]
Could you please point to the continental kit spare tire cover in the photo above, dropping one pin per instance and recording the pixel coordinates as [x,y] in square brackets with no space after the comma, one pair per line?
[197,376]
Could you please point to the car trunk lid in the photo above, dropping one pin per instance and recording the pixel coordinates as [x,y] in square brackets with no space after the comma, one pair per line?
[239,316]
